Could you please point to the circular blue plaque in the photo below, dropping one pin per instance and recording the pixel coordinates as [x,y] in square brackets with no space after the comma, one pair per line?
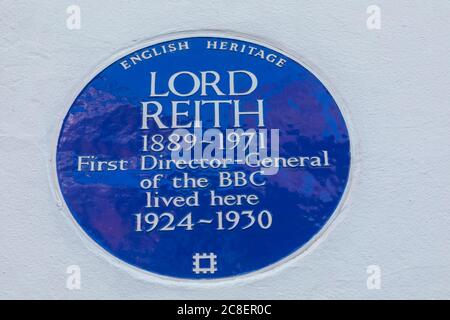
[203,157]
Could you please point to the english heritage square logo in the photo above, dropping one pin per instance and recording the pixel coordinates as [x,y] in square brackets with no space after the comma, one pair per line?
[203,157]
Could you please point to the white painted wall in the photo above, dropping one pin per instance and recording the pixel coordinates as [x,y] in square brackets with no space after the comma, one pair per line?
[395,82]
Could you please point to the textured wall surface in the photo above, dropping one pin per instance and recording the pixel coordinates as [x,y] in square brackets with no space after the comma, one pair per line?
[395,83]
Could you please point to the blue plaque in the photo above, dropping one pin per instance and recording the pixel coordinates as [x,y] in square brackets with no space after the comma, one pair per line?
[203,157]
